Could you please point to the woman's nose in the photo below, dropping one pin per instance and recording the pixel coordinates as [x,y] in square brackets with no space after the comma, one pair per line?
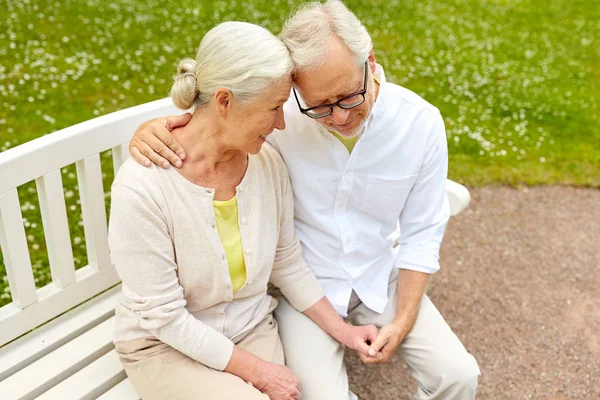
[279,120]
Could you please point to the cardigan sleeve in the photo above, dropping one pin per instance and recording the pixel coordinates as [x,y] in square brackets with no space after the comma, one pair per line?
[143,254]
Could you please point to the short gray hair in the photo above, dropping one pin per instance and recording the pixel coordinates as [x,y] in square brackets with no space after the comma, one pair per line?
[306,33]
[242,57]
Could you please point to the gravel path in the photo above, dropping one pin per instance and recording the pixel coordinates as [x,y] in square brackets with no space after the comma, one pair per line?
[520,285]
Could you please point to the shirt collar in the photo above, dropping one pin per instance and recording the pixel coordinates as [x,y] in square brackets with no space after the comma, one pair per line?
[378,106]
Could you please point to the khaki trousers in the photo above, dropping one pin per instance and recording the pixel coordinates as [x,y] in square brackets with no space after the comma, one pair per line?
[435,356]
[159,372]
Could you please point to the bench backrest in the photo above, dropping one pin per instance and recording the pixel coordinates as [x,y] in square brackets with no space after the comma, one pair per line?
[41,160]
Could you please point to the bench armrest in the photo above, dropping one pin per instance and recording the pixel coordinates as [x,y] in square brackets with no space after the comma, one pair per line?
[458,197]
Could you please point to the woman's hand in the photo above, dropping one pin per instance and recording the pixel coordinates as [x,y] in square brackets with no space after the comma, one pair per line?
[360,338]
[277,381]
[153,142]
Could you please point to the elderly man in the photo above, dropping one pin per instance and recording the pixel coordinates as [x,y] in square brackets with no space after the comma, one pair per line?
[364,156]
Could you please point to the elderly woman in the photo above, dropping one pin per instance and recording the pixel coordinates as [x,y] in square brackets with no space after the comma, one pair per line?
[196,246]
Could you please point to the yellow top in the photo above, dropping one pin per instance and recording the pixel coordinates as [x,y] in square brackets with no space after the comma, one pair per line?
[348,142]
[226,213]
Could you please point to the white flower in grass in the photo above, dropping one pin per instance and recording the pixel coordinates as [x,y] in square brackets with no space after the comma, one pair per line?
[49,119]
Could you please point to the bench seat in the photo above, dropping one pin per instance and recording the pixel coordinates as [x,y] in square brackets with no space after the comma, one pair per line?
[72,357]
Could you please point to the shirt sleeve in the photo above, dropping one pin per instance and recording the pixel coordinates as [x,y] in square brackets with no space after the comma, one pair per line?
[290,273]
[426,212]
[143,254]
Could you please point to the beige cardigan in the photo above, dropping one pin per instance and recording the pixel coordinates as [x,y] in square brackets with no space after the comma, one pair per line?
[166,248]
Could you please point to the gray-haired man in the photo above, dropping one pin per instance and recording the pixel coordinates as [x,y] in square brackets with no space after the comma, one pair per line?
[364,155]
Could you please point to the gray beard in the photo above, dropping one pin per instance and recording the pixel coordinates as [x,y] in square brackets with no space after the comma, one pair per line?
[356,132]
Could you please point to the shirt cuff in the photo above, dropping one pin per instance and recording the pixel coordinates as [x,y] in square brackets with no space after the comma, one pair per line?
[418,259]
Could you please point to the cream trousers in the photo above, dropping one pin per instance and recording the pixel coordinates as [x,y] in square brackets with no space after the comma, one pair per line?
[159,372]
[435,356]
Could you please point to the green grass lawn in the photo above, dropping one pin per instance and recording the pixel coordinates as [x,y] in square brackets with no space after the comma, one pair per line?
[517,81]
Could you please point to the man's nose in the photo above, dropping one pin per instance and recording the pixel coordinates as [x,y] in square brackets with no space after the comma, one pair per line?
[340,115]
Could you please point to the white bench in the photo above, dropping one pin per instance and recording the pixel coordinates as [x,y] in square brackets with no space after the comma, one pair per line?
[56,342]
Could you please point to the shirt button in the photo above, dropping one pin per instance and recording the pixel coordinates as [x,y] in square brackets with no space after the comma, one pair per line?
[249,282]
[244,221]
[214,226]
[348,241]
[340,205]
[248,251]
[223,257]
[241,189]
[222,315]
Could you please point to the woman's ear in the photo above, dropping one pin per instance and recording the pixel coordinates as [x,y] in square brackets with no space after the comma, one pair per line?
[223,101]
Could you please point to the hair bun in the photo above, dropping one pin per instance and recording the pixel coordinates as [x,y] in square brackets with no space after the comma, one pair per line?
[184,91]
[186,67]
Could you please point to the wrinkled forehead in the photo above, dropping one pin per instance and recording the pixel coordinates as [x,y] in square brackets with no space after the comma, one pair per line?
[278,91]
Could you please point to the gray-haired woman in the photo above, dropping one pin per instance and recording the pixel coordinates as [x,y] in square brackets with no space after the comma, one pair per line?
[196,247]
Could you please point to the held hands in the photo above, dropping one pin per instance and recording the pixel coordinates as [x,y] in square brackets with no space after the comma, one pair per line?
[277,381]
[386,343]
[359,338]
[153,142]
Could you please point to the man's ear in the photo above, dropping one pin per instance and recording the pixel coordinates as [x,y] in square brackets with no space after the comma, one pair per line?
[372,62]
[223,101]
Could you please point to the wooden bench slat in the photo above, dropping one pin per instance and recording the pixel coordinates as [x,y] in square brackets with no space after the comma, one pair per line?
[35,345]
[54,301]
[90,382]
[56,228]
[64,147]
[91,192]
[123,391]
[119,154]
[15,250]
[58,365]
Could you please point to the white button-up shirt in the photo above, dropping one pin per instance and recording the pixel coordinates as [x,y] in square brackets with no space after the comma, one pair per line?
[348,205]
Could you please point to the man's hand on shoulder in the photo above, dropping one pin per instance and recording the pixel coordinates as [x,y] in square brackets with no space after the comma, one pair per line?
[153,142]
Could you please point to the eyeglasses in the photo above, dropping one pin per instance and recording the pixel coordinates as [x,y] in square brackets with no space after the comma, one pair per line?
[347,102]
